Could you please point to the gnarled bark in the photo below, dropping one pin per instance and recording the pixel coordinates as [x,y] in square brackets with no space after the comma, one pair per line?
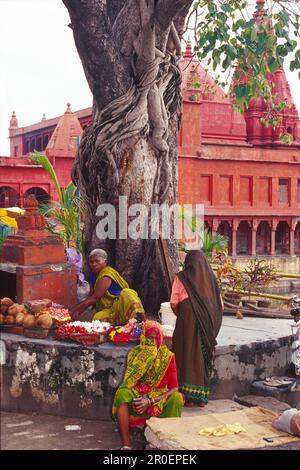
[130,51]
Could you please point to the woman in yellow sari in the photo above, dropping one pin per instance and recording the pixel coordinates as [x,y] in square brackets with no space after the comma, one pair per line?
[115,302]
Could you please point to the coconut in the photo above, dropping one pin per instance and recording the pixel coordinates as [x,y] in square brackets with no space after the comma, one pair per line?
[20,318]
[29,321]
[15,309]
[7,301]
[10,320]
[44,321]
[3,309]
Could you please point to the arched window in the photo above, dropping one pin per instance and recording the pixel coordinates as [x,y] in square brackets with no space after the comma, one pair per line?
[225,230]
[8,197]
[282,238]
[40,194]
[263,239]
[243,239]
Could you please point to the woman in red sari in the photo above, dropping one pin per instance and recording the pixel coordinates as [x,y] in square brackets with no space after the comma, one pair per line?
[150,386]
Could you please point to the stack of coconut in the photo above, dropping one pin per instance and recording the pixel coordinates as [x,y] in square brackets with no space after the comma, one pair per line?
[34,324]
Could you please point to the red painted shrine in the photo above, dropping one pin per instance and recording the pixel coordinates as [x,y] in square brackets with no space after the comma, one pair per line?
[34,262]
[247,179]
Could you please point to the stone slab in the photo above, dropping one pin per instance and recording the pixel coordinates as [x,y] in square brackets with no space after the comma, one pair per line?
[249,330]
[291,397]
[265,402]
[213,406]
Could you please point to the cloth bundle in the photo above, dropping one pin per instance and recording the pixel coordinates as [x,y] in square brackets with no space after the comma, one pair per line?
[288,421]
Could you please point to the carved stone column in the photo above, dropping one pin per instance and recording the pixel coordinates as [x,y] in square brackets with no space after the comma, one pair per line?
[273,232]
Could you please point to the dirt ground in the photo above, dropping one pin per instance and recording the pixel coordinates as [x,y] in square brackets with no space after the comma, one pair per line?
[31,431]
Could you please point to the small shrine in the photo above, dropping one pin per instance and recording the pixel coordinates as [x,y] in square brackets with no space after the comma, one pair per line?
[33,262]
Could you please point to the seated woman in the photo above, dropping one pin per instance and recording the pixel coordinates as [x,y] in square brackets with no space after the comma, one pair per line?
[115,302]
[150,383]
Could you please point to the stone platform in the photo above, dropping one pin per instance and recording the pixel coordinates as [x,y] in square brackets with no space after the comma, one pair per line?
[65,378]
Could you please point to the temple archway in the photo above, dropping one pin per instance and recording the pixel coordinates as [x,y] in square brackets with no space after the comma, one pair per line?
[297,239]
[263,238]
[243,239]
[225,230]
[40,194]
[9,197]
[282,238]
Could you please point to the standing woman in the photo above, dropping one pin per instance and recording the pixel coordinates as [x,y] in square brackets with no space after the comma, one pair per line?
[197,303]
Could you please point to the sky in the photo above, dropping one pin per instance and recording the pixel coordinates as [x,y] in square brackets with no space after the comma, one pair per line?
[40,70]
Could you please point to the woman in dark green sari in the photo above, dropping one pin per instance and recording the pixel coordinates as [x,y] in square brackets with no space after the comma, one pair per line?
[197,303]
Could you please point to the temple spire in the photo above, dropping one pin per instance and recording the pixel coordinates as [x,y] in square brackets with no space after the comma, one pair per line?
[64,137]
[260,10]
[13,123]
[188,50]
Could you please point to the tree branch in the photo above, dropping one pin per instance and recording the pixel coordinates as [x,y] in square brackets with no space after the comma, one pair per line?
[126,29]
[167,10]
[101,59]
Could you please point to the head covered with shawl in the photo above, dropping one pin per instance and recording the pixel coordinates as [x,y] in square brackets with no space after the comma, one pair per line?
[202,288]
[147,364]
[152,333]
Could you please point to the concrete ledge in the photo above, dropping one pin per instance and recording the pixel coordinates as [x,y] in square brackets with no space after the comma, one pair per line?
[64,378]
[59,377]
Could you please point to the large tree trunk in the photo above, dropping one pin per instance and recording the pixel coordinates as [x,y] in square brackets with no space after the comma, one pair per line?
[130,51]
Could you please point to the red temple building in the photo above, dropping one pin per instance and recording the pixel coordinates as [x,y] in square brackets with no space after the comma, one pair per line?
[247,179]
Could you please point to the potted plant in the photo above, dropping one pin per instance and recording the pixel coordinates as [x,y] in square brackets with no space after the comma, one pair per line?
[231,281]
[258,274]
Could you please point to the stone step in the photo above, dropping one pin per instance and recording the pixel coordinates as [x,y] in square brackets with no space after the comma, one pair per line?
[281,394]
[265,402]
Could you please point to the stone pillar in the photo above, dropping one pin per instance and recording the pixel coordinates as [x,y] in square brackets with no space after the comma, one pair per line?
[292,241]
[21,194]
[235,224]
[253,243]
[273,252]
[233,243]
[292,225]
[255,223]
[273,231]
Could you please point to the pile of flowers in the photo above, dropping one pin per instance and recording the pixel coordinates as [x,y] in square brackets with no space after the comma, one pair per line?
[58,314]
[85,332]
[123,334]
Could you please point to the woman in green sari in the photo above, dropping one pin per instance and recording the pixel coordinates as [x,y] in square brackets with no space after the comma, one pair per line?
[150,386]
[115,302]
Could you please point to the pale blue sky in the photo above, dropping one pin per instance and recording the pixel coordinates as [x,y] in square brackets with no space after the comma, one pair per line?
[40,70]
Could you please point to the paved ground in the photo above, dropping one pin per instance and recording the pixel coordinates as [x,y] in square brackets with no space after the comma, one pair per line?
[39,432]
[24,431]
[251,330]
[32,431]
